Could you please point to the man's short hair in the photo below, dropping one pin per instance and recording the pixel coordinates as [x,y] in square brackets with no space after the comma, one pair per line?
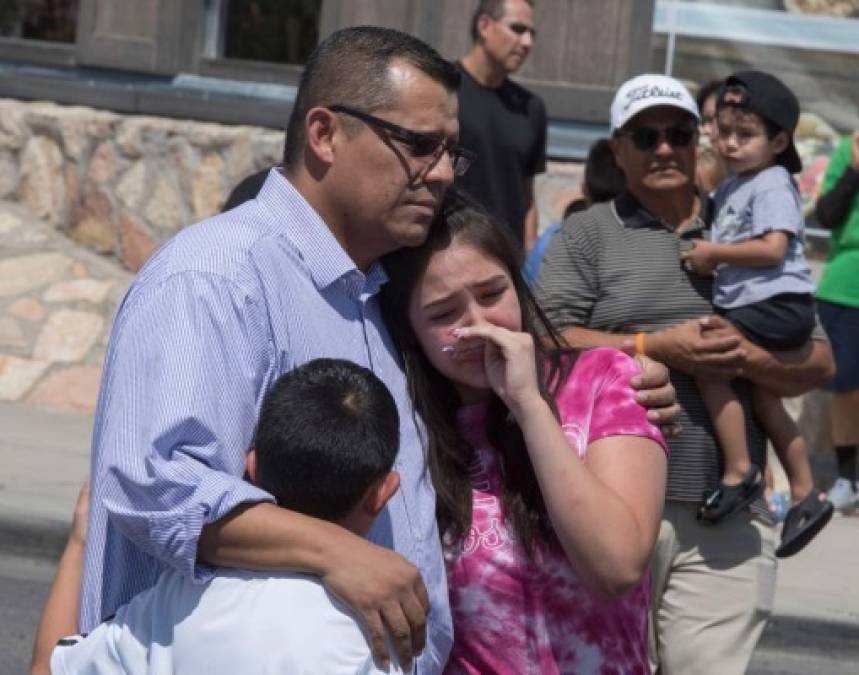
[326,431]
[494,9]
[350,67]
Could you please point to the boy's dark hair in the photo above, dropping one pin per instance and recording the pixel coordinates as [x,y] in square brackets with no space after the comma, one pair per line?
[326,431]
[494,9]
[604,179]
[351,67]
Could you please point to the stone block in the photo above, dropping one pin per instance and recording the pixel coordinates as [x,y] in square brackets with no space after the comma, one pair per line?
[8,223]
[43,187]
[13,133]
[28,309]
[93,221]
[103,163]
[80,270]
[67,336]
[132,186]
[101,124]
[208,190]
[11,335]
[25,273]
[240,161]
[166,208]
[74,389]
[8,174]
[212,136]
[73,188]
[78,290]
[129,138]
[185,158]
[98,235]
[42,118]
[135,243]
[268,149]
[17,376]
[75,140]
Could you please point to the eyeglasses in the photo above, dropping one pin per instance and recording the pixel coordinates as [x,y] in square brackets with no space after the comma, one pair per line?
[648,138]
[421,145]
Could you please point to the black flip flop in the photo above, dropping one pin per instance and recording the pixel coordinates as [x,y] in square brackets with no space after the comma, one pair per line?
[802,523]
[726,500]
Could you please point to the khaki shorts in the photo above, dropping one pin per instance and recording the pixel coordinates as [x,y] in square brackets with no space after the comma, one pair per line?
[712,594]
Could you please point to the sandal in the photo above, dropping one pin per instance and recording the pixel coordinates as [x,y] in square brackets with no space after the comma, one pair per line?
[726,500]
[803,522]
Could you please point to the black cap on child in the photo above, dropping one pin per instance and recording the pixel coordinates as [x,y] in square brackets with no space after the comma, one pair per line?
[767,96]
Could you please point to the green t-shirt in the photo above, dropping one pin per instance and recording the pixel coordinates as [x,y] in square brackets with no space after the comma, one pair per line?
[840,281]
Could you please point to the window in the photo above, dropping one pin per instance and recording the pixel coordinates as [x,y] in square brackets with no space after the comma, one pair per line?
[46,20]
[280,31]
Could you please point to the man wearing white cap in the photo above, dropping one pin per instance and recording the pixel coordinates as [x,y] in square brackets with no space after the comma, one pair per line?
[614,277]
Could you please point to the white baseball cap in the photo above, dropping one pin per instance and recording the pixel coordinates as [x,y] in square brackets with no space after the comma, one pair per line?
[648,91]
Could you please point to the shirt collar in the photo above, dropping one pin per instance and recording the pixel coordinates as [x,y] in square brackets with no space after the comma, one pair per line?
[630,211]
[327,263]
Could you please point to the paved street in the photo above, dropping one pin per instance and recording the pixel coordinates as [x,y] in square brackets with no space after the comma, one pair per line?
[24,585]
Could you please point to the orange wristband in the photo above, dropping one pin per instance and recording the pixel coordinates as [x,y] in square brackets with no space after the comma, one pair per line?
[639,343]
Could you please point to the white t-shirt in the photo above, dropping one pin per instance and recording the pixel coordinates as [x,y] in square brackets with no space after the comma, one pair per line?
[238,622]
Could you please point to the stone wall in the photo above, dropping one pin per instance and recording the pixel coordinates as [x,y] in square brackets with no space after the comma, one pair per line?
[121,184]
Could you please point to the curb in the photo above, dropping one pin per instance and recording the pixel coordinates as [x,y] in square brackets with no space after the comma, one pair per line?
[818,635]
[29,537]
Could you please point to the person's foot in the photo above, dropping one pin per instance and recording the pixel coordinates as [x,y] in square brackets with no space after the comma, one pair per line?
[727,499]
[843,495]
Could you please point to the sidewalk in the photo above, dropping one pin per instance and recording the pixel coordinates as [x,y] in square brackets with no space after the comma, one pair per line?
[44,455]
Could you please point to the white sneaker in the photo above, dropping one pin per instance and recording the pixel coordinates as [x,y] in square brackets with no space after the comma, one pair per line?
[843,495]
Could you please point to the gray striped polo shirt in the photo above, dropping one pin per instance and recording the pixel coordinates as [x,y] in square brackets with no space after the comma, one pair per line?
[616,268]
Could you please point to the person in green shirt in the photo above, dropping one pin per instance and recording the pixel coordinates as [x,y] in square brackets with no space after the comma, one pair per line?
[838,306]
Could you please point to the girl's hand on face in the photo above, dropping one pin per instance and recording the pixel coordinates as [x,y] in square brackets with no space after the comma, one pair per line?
[508,359]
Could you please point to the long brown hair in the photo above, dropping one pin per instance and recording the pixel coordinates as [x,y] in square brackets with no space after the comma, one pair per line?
[435,398]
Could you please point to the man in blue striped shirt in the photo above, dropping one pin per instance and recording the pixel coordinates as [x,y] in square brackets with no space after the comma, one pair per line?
[229,304]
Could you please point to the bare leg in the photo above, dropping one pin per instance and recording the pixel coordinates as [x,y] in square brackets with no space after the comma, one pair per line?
[787,441]
[730,424]
[845,418]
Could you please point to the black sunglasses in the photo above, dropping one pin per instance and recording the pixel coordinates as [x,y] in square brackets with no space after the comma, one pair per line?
[648,138]
[421,145]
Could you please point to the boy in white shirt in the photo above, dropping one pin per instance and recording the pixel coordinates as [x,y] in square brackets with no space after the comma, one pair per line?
[325,444]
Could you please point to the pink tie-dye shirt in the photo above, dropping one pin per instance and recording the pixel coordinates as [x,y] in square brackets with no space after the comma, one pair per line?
[511,615]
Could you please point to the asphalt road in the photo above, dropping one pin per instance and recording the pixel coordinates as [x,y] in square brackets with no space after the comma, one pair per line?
[24,585]
[788,647]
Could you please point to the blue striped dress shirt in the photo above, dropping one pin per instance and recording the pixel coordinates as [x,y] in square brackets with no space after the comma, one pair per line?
[216,315]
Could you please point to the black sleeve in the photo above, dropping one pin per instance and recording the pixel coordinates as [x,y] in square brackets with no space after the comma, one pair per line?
[538,158]
[833,208]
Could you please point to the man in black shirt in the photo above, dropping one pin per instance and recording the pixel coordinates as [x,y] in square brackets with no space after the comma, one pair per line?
[500,121]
